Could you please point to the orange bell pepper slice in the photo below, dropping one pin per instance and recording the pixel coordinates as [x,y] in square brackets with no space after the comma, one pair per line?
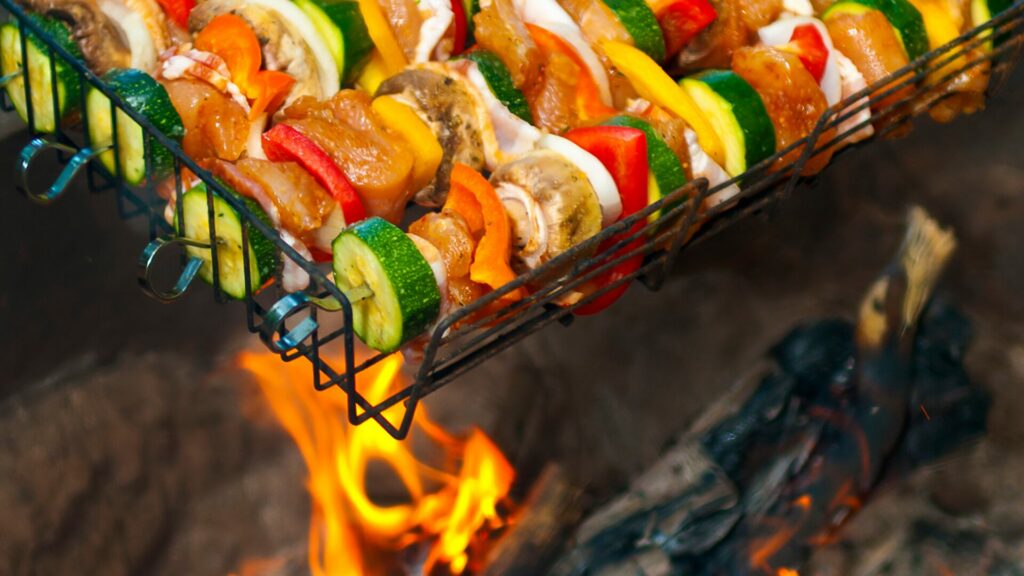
[473,198]
[268,90]
[588,97]
[463,202]
[230,37]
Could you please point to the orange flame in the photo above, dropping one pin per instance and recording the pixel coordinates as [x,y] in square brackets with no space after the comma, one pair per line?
[787,572]
[349,533]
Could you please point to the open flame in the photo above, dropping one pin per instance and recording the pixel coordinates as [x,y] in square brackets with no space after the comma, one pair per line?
[349,533]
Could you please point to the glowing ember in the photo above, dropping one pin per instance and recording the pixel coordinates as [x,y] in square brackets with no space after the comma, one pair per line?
[349,533]
[787,572]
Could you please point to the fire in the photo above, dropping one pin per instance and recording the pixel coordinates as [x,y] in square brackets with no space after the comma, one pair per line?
[448,508]
[787,572]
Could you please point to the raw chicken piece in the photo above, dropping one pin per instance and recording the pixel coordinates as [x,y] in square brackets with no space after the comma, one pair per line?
[792,97]
[377,162]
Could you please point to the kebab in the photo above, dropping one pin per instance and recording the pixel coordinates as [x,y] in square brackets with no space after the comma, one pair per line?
[106,34]
[555,154]
[773,58]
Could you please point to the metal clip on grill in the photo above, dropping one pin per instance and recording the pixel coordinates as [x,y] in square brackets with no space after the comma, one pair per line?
[474,333]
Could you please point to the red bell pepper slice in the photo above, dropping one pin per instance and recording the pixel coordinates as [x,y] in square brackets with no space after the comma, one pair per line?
[177,10]
[808,45]
[283,143]
[682,20]
[623,151]
[461,27]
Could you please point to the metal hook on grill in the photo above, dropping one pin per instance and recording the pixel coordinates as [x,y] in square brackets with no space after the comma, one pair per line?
[273,320]
[36,147]
[188,273]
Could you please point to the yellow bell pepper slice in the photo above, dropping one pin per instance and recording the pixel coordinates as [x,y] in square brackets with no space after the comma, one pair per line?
[654,84]
[383,36]
[941,29]
[427,150]
[371,76]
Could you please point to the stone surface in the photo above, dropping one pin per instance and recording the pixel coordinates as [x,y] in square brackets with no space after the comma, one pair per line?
[126,450]
[101,472]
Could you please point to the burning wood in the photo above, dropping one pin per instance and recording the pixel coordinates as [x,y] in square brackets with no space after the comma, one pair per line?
[539,529]
[774,478]
[450,509]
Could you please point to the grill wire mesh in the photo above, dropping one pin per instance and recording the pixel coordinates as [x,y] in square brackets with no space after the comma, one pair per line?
[293,326]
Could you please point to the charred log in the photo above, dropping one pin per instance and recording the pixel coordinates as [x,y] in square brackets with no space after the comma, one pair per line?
[550,510]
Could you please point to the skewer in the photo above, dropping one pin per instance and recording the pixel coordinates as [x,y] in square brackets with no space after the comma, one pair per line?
[6,78]
[359,293]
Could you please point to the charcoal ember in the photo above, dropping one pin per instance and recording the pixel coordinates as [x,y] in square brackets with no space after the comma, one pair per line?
[784,436]
[646,562]
[684,490]
[814,366]
[729,441]
[550,510]
[703,534]
[946,411]
[816,354]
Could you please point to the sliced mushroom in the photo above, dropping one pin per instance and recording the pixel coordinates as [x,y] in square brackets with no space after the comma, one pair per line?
[97,37]
[569,207]
[446,106]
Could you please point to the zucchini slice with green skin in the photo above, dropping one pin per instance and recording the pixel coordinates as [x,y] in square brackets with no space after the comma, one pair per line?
[738,115]
[499,80]
[341,25]
[147,97]
[471,8]
[904,17]
[984,10]
[639,20]
[375,257]
[263,258]
[41,80]
[666,174]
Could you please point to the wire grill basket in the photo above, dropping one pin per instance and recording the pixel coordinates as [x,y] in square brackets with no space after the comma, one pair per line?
[296,325]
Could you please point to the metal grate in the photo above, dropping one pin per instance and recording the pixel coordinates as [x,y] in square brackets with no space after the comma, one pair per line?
[295,325]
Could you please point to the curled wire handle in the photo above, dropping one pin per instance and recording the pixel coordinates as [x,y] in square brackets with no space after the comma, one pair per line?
[36,147]
[273,323]
[273,320]
[188,273]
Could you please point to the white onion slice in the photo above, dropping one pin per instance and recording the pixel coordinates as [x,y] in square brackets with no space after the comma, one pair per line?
[254,143]
[136,34]
[293,277]
[434,258]
[704,166]
[550,16]
[600,179]
[512,135]
[853,81]
[333,224]
[437,17]
[326,68]
[780,32]
[797,8]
